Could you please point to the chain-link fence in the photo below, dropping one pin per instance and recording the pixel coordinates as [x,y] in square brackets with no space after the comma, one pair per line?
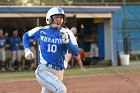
[128,32]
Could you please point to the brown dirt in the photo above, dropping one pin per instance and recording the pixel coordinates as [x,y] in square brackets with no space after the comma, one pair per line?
[101,83]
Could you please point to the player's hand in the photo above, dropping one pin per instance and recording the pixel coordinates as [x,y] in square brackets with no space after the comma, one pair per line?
[65,38]
[28,54]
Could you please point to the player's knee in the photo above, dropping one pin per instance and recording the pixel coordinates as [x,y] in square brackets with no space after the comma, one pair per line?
[62,90]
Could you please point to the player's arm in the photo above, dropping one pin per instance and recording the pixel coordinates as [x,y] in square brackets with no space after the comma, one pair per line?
[34,33]
[73,48]
[70,41]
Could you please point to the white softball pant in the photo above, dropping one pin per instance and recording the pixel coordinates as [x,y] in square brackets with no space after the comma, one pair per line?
[2,55]
[16,56]
[50,79]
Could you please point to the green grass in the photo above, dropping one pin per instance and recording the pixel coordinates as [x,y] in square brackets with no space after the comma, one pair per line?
[69,71]
[103,70]
[24,74]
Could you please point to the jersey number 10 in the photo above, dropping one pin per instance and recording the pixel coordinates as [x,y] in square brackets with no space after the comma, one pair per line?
[52,48]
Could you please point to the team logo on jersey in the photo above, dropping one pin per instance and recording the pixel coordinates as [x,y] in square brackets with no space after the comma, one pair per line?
[43,33]
[50,39]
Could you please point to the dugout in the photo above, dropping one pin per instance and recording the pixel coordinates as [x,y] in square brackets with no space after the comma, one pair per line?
[102,18]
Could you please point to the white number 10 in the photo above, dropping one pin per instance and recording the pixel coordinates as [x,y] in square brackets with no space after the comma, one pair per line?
[52,48]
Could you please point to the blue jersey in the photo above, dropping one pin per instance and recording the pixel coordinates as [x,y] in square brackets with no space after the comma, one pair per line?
[2,41]
[51,49]
[32,42]
[14,43]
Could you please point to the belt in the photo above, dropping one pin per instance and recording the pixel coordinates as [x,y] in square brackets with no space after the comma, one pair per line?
[54,67]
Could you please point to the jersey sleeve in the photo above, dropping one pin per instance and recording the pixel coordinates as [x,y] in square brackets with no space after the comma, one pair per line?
[31,34]
[72,45]
[72,37]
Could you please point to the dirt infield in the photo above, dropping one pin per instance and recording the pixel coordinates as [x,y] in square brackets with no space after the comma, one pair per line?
[100,83]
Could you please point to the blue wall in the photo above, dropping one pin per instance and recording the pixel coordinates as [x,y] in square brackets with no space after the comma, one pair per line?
[101,40]
[128,24]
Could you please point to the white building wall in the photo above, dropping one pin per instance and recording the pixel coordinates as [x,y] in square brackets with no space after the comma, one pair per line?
[107,39]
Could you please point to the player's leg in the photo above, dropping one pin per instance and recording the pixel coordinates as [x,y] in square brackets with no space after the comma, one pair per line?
[13,59]
[44,90]
[3,60]
[48,80]
[18,57]
[0,59]
[79,60]
[59,74]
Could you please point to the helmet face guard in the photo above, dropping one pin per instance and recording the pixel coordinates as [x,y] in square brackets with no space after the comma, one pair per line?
[54,11]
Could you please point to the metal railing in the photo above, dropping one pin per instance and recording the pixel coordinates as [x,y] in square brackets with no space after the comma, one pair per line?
[101,3]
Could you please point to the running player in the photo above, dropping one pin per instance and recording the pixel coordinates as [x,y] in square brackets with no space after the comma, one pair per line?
[54,42]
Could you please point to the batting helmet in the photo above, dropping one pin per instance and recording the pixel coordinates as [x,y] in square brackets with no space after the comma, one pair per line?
[54,11]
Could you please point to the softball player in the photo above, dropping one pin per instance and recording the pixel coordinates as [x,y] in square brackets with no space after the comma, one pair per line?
[15,43]
[54,42]
[2,50]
